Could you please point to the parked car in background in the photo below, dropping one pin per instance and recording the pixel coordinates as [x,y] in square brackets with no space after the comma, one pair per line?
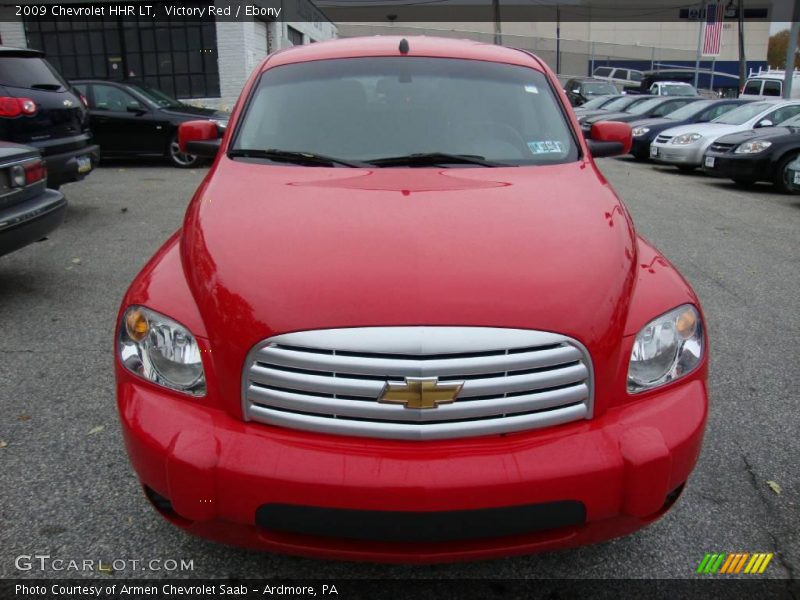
[619,76]
[131,119]
[594,103]
[767,84]
[756,154]
[39,108]
[792,176]
[645,130]
[28,210]
[652,107]
[581,89]
[685,146]
[672,88]
[618,104]
[496,401]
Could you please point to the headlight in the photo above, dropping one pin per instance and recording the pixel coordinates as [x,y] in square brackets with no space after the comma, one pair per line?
[686,138]
[159,349]
[639,131]
[752,147]
[667,348]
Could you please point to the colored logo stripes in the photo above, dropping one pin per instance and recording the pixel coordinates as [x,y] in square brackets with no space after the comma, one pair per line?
[736,562]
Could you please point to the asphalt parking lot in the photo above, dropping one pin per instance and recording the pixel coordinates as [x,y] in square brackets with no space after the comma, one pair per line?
[67,489]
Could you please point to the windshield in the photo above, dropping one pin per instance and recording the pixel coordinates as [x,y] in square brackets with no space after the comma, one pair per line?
[593,89]
[622,102]
[642,107]
[157,96]
[678,90]
[597,102]
[690,110]
[364,109]
[743,114]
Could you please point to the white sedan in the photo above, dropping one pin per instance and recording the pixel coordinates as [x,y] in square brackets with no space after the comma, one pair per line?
[684,146]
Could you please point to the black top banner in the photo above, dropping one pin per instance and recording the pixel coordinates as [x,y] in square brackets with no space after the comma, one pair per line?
[402,11]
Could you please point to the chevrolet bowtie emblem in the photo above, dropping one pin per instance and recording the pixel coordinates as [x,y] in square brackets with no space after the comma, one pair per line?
[420,392]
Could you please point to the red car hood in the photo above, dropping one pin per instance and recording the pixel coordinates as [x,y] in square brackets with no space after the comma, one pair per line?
[270,249]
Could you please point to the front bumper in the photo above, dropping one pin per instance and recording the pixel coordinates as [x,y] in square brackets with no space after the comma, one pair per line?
[31,220]
[674,154]
[278,489]
[739,166]
[641,146]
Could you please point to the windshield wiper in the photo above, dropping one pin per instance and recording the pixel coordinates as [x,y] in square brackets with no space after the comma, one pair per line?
[435,158]
[305,158]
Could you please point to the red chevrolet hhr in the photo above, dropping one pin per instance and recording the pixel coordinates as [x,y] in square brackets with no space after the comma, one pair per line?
[407,319]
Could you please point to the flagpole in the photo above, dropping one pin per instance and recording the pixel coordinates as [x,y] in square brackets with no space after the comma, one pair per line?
[701,26]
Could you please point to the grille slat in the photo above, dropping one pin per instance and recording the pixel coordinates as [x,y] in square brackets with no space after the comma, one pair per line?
[330,380]
[473,409]
[442,367]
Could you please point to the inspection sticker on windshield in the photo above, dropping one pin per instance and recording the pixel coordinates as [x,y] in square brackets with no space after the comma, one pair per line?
[546,147]
[531,89]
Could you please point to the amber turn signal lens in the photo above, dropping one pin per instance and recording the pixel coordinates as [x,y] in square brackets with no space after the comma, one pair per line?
[136,325]
[686,323]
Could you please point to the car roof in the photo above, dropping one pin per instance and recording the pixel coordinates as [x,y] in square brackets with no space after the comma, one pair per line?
[361,47]
[21,52]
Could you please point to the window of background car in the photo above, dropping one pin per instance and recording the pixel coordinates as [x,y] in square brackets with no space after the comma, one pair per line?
[635,76]
[621,103]
[742,114]
[679,90]
[29,73]
[380,107]
[791,122]
[687,111]
[158,97]
[772,88]
[593,88]
[621,74]
[109,97]
[641,108]
[602,71]
[716,111]
[753,87]
[784,113]
[596,102]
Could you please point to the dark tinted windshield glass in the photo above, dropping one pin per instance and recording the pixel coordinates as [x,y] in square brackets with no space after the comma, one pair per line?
[371,108]
[30,73]
[597,102]
[642,107]
[622,102]
[689,110]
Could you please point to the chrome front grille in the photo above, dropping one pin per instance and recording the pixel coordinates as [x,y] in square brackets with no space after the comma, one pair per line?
[722,148]
[330,381]
[663,139]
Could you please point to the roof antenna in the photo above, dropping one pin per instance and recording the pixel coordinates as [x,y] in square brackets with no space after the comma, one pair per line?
[404,46]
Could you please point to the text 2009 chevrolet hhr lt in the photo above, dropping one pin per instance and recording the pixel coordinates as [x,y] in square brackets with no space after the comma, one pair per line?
[407,319]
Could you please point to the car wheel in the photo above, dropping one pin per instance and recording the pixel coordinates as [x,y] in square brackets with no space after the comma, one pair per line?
[180,159]
[781,180]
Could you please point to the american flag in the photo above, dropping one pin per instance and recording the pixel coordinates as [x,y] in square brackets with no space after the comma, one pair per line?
[712,38]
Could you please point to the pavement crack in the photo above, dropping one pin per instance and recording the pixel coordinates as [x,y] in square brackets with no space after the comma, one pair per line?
[760,492]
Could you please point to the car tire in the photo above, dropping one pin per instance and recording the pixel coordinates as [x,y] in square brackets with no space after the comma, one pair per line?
[180,159]
[641,156]
[781,178]
[744,181]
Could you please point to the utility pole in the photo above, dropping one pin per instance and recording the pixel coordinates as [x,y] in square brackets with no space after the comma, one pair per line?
[498,34]
[791,48]
[742,58]
[700,30]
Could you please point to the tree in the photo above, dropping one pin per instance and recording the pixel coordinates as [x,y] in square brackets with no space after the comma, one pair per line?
[776,51]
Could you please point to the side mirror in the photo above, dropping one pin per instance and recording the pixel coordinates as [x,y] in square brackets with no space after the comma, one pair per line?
[610,138]
[199,137]
[764,123]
